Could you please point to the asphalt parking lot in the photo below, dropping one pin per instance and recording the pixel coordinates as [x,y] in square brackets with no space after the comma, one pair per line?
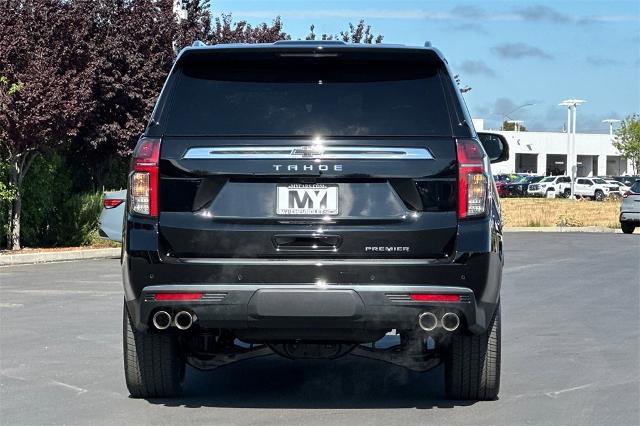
[571,353]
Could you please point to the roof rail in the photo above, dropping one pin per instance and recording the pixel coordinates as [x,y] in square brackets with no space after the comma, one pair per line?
[198,43]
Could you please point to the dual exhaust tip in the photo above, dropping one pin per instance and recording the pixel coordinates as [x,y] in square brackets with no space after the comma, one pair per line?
[428,321]
[183,320]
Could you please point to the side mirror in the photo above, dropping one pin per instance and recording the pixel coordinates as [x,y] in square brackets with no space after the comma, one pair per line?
[495,145]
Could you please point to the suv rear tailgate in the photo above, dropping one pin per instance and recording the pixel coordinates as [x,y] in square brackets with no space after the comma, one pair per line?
[346,154]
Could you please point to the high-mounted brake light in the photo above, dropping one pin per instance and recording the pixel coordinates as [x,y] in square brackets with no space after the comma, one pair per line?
[110,203]
[144,179]
[472,179]
[420,297]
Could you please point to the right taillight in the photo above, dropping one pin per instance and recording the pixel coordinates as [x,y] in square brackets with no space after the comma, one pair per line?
[472,179]
[143,182]
[110,203]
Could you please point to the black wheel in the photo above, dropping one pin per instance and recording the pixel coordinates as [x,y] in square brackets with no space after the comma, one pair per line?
[627,227]
[567,193]
[153,366]
[472,364]
[599,195]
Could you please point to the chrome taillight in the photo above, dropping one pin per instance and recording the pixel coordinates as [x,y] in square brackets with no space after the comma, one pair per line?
[473,181]
[143,181]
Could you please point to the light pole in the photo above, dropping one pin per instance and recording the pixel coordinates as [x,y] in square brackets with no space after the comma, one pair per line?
[511,112]
[611,121]
[572,160]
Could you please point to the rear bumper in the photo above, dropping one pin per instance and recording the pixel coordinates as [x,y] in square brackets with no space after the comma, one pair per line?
[305,307]
[627,216]
[240,290]
[110,223]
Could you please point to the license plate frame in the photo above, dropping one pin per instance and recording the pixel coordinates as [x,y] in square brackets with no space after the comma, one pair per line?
[307,200]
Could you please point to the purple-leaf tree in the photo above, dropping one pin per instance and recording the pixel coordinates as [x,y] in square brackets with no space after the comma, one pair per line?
[359,33]
[132,46]
[196,23]
[46,68]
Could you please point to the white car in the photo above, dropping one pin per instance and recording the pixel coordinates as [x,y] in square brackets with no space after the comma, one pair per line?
[550,185]
[112,216]
[620,188]
[595,188]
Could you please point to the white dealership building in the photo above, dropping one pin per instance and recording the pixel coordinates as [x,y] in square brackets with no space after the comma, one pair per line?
[545,153]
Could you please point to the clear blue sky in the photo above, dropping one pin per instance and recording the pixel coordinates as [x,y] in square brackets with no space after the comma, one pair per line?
[510,52]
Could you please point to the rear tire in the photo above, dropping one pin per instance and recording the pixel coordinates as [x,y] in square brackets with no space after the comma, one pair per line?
[627,227]
[153,365]
[599,195]
[472,364]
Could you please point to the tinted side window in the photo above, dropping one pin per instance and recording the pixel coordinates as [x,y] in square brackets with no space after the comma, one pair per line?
[636,187]
[305,97]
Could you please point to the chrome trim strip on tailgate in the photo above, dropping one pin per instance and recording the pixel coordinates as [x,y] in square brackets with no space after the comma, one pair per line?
[312,152]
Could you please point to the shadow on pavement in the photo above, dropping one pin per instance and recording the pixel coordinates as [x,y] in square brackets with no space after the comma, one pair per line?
[350,382]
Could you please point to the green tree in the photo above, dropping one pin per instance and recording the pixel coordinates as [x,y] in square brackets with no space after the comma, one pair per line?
[511,126]
[627,140]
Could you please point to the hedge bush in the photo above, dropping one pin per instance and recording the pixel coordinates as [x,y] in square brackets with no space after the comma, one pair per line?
[76,220]
[59,207]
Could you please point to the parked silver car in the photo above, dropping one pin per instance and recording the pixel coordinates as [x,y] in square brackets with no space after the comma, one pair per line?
[112,216]
[630,209]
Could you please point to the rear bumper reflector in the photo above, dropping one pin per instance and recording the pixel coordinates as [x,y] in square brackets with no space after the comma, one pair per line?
[177,296]
[435,297]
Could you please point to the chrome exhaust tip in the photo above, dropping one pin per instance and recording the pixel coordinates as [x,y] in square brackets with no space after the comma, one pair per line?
[450,321]
[184,320]
[427,321]
[161,320]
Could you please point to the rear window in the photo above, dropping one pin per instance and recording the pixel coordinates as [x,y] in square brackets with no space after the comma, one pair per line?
[312,97]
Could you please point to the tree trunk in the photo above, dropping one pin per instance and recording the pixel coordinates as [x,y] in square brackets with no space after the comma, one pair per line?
[13,237]
[16,210]
[19,169]
[9,221]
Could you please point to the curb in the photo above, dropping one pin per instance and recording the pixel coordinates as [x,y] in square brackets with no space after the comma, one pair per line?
[590,229]
[59,256]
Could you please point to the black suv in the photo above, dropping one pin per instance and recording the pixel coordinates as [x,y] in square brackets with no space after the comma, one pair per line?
[308,199]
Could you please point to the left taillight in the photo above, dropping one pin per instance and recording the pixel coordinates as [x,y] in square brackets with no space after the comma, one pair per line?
[143,182]
[472,179]
[110,203]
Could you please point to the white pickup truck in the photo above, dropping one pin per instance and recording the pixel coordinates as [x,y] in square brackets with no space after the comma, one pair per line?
[551,185]
[560,186]
[595,188]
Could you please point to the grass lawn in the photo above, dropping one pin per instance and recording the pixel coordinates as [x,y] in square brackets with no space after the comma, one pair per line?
[560,212]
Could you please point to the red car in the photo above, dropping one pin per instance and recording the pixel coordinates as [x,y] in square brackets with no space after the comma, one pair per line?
[501,189]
